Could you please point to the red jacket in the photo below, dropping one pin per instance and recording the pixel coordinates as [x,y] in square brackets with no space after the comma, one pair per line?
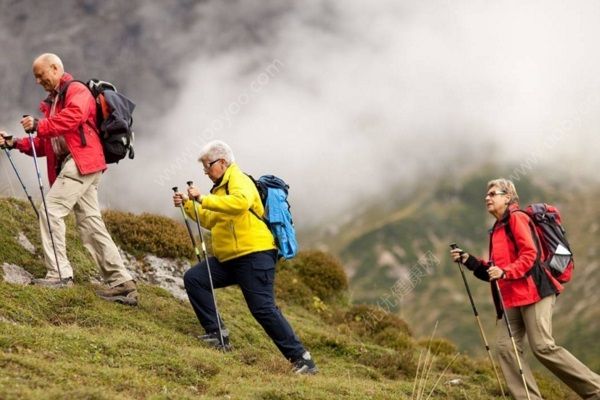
[75,119]
[525,282]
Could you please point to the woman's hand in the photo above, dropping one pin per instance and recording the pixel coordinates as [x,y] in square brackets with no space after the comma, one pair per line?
[194,193]
[495,273]
[179,198]
[458,255]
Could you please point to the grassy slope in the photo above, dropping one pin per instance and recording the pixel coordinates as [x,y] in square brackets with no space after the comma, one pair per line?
[70,344]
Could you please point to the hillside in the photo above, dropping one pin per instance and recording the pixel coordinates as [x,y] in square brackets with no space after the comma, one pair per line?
[403,233]
[70,344]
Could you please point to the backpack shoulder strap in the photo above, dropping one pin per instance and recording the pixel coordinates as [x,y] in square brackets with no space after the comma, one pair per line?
[250,209]
[534,234]
[62,95]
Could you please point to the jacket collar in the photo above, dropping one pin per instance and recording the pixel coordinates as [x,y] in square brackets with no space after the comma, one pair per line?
[504,219]
[61,84]
[225,179]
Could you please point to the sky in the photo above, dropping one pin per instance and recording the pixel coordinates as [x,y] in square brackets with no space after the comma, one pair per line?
[346,99]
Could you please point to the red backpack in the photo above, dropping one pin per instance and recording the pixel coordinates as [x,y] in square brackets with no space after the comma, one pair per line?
[556,254]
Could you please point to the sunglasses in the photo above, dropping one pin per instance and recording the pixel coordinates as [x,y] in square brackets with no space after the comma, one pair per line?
[494,193]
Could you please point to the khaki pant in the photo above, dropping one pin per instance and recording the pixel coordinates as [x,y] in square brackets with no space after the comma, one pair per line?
[535,320]
[73,191]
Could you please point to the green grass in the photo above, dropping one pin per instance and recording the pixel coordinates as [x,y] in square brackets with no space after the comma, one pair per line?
[68,343]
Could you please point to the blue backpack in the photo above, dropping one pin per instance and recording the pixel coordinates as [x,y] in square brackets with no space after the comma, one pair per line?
[273,193]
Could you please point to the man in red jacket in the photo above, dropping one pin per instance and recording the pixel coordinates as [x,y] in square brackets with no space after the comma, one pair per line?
[68,137]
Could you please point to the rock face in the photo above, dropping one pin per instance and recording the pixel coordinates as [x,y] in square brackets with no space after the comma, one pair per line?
[165,273]
[16,275]
[25,243]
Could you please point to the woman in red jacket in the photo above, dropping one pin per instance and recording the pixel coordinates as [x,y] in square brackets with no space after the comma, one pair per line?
[529,292]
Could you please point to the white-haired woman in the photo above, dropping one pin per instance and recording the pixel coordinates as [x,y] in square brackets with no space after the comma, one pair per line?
[529,292]
[244,254]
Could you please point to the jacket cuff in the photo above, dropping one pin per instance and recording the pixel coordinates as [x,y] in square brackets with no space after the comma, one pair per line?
[482,273]
[472,263]
[18,144]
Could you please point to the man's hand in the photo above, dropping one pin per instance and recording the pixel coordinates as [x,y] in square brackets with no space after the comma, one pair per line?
[6,141]
[179,199]
[29,123]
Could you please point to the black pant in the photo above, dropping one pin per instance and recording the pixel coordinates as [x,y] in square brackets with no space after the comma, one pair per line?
[254,273]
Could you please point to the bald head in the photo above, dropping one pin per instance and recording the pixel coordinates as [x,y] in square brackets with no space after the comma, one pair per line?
[48,69]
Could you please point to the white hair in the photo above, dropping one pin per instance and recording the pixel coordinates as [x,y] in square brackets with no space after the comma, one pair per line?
[507,186]
[51,59]
[215,150]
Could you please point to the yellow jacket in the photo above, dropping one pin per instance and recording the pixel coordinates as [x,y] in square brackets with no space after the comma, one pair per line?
[235,230]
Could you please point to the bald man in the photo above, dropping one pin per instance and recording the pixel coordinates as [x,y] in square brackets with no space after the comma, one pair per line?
[68,137]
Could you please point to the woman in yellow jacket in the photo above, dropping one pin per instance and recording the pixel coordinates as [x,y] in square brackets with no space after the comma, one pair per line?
[244,254]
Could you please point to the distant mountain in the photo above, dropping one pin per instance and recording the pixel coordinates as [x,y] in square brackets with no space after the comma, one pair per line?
[392,246]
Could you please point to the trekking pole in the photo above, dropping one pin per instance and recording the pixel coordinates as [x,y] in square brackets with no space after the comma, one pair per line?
[39,176]
[21,181]
[212,288]
[189,228]
[487,346]
[495,282]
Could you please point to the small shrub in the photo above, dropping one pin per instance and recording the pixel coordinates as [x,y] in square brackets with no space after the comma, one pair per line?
[438,346]
[147,233]
[395,339]
[290,288]
[321,272]
[367,320]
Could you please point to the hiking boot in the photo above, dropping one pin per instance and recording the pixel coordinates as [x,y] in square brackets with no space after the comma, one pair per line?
[125,293]
[304,365]
[54,283]
[213,339]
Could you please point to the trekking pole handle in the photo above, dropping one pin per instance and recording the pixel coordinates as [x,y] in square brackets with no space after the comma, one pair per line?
[190,184]
[32,130]
[454,246]
[175,191]
[7,138]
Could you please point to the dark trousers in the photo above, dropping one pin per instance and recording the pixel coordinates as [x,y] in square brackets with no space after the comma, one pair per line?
[254,273]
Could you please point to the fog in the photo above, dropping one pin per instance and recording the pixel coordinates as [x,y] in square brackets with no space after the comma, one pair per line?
[344,99]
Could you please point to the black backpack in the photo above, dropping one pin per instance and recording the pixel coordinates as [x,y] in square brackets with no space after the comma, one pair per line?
[113,119]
